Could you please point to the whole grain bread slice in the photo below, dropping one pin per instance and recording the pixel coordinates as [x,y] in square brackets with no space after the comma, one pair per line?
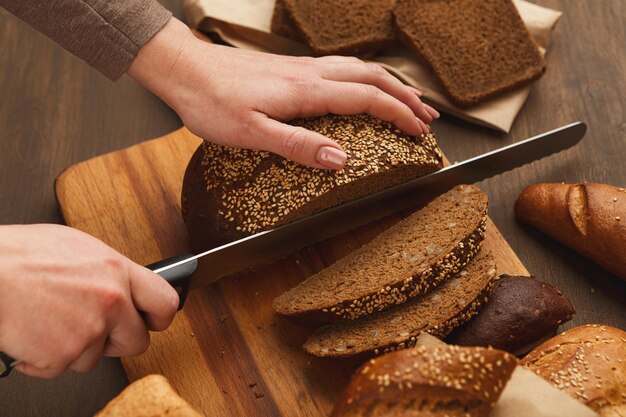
[343,26]
[403,262]
[477,49]
[282,24]
[438,312]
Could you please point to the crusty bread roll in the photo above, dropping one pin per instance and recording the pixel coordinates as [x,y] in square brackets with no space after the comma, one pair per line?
[151,396]
[434,381]
[521,313]
[589,363]
[589,218]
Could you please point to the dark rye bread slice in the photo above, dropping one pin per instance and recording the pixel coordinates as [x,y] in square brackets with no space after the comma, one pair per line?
[405,261]
[438,312]
[282,24]
[477,48]
[231,193]
[344,26]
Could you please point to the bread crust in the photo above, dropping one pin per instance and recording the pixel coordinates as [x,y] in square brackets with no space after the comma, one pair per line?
[457,313]
[392,294]
[589,363]
[435,380]
[230,193]
[590,218]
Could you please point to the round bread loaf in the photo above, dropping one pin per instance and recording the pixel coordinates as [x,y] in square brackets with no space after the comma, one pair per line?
[521,313]
[434,381]
[589,363]
[231,193]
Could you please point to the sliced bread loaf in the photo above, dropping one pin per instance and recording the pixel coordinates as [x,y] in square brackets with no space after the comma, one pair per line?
[433,381]
[282,24]
[343,26]
[231,193]
[478,49]
[406,260]
[438,312]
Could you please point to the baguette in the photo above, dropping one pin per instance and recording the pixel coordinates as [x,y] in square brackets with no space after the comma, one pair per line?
[589,218]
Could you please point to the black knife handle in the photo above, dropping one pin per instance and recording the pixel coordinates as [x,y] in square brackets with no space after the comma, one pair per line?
[6,364]
[179,276]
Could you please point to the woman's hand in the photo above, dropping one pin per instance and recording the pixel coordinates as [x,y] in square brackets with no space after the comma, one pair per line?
[68,299]
[242,98]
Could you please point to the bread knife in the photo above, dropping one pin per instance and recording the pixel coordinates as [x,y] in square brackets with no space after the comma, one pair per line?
[185,272]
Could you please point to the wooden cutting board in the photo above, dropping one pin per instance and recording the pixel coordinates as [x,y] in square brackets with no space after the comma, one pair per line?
[226,352]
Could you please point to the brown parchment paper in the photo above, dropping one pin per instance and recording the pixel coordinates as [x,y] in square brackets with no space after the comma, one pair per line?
[246,24]
[528,395]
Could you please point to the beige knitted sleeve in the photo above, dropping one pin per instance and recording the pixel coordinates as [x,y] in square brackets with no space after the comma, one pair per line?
[107,34]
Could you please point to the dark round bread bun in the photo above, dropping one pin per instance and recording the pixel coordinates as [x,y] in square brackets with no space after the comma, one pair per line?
[521,313]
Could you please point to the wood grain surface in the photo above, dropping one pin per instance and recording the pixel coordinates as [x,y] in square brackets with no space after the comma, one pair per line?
[227,339]
[56,111]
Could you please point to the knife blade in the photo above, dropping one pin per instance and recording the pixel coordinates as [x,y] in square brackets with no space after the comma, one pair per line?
[189,271]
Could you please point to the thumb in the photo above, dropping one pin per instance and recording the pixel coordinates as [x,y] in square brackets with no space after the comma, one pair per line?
[301,145]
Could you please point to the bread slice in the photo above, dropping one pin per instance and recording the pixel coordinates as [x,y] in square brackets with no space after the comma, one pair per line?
[282,24]
[150,396]
[438,312]
[477,48]
[343,26]
[406,260]
[433,381]
[230,193]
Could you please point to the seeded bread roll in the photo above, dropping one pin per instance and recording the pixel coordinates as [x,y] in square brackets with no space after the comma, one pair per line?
[344,26]
[403,262]
[477,49]
[150,396]
[589,218]
[231,193]
[521,313]
[589,363]
[438,312]
[440,381]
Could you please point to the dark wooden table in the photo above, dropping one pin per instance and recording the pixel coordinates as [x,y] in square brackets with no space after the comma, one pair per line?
[56,111]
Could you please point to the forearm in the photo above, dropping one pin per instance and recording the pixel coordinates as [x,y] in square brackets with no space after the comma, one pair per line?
[107,34]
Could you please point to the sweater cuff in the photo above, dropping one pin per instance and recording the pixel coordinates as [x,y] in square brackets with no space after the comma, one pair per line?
[107,34]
